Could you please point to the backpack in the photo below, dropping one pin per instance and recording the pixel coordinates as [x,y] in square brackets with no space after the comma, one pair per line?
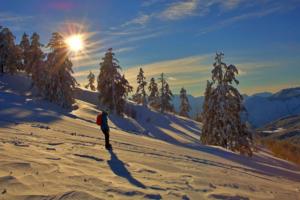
[99,119]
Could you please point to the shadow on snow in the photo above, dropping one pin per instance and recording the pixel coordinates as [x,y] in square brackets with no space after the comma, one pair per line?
[118,167]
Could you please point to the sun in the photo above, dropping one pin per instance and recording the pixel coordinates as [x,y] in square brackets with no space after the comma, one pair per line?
[75,43]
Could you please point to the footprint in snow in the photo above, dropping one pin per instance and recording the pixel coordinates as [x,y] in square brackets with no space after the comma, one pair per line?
[89,157]
[227,197]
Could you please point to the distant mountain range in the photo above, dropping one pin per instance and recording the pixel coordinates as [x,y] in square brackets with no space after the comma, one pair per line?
[262,108]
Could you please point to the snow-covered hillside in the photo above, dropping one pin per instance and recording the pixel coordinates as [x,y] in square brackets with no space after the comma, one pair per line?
[50,153]
[287,129]
[168,127]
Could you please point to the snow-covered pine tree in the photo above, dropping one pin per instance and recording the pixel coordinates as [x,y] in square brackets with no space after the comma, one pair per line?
[60,82]
[36,64]
[112,86]
[167,100]
[153,98]
[25,52]
[162,92]
[122,88]
[222,107]
[165,95]
[10,54]
[91,79]
[184,105]
[140,96]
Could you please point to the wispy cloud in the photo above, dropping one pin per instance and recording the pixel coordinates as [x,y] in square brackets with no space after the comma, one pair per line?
[142,19]
[174,66]
[13,18]
[231,4]
[147,3]
[15,22]
[93,60]
[124,49]
[179,10]
[235,19]
[179,72]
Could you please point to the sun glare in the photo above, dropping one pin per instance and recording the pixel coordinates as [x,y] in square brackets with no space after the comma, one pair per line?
[75,43]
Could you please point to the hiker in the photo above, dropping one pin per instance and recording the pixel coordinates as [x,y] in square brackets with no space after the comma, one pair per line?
[102,121]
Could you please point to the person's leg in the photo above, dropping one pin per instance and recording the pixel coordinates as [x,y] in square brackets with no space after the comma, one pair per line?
[106,134]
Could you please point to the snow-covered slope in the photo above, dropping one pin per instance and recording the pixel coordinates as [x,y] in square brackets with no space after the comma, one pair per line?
[168,127]
[49,153]
[287,129]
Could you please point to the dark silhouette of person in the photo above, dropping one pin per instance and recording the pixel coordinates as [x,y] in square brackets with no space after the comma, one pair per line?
[105,130]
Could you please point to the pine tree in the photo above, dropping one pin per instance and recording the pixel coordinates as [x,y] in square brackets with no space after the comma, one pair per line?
[165,95]
[112,86]
[222,107]
[167,99]
[60,83]
[36,64]
[140,95]
[184,105]
[91,79]
[25,52]
[154,94]
[10,54]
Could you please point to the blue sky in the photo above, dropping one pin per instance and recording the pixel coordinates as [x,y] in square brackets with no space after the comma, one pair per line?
[177,37]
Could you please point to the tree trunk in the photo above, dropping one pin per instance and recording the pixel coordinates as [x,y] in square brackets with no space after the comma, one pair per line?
[2,68]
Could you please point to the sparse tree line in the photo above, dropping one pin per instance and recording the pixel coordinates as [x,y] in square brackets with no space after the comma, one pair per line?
[51,74]
[114,88]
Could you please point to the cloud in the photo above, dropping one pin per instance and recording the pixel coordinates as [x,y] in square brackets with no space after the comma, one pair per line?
[174,66]
[124,49]
[172,78]
[13,18]
[180,72]
[142,19]
[179,10]
[147,3]
[250,15]
[15,22]
[94,59]
[231,4]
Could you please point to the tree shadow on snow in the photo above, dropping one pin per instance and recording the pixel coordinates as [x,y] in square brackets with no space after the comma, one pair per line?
[21,109]
[118,167]
[154,123]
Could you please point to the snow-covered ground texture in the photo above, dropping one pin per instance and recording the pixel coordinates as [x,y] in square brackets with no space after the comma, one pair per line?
[49,153]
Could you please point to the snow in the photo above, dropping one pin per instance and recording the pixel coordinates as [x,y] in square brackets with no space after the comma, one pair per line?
[275,131]
[49,153]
